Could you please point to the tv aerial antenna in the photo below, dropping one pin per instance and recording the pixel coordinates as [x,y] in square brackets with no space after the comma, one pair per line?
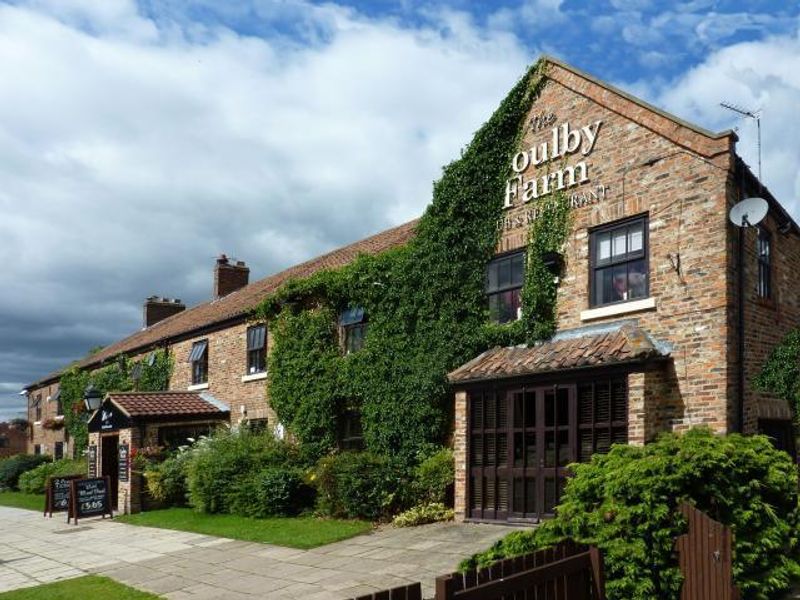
[750,114]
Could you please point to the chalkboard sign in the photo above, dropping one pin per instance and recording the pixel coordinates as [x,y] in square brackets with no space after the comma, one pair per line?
[57,493]
[90,497]
[92,460]
[124,455]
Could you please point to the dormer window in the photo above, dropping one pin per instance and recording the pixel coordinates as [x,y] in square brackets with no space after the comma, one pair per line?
[353,324]
[198,358]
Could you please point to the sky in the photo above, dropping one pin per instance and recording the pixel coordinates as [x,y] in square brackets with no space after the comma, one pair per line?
[139,140]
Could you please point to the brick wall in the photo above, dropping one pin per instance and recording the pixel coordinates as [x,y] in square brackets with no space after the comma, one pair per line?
[685,199]
[227,367]
[46,438]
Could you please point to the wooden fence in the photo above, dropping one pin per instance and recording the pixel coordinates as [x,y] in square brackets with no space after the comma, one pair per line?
[567,571]
[412,591]
[706,558]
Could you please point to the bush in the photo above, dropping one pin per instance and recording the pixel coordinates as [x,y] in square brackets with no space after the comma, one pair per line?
[273,491]
[434,477]
[359,485]
[422,514]
[11,468]
[167,480]
[218,462]
[34,481]
[626,503]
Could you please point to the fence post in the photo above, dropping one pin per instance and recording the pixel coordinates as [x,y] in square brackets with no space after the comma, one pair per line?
[598,574]
[444,587]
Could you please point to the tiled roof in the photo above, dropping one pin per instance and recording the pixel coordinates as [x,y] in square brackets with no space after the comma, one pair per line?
[240,302]
[625,344]
[159,404]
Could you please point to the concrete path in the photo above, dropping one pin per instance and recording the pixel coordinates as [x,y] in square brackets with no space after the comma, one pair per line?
[191,566]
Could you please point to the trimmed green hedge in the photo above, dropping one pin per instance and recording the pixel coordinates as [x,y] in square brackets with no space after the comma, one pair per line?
[13,467]
[35,480]
[626,503]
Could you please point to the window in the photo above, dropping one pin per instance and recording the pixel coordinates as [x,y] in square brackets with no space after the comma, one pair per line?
[764,264]
[504,278]
[38,407]
[4,442]
[619,262]
[353,323]
[199,360]
[172,438]
[59,404]
[256,349]
[58,451]
[37,449]
[257,425]
[351,436]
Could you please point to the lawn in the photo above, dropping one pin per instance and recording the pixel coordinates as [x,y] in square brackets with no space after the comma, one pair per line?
[20,500]
[80,588]
[294,532]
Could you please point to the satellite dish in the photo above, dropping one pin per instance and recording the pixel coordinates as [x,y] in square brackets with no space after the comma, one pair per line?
[748,212]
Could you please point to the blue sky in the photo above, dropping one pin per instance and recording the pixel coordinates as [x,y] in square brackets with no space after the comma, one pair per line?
[138,140]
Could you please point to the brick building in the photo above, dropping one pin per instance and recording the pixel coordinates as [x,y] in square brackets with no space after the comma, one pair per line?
[650,324]
[13,439]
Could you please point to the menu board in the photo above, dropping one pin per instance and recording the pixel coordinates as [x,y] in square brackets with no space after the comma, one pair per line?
[58,493]
[90,497]
[92,459]
[124,462]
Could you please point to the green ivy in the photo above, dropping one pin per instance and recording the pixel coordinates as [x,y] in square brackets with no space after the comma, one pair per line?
[780,374]
[425,303]
[115,377]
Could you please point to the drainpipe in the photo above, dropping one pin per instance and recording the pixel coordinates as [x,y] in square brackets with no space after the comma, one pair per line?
[740,311]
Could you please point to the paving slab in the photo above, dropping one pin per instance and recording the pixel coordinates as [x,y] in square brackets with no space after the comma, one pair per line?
[188,566]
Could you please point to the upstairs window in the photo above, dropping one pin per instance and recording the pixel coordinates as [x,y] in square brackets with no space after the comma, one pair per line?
[37,407]
[198,358]
[256,349]
[59,404]
[353,323]
[619,262]
[504,279]
[764,264]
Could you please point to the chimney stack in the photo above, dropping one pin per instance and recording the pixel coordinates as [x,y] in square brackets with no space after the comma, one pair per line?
[229,276]
[157,309]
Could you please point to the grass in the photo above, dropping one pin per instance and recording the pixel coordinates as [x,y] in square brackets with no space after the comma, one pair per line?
[80,588]
[20,500]
[294,532]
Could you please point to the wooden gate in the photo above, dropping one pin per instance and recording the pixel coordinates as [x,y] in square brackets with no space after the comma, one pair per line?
[706,558]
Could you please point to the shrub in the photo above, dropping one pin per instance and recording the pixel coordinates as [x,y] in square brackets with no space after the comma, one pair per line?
[217,463]
[166,481]
[12,468]
[626,503]
[434,477]
[273,491]
[34,481]
[359,484]
[422,514]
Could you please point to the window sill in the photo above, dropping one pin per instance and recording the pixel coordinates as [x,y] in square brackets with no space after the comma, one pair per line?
[196,387]
[254,377]
[618,309]
[37,422]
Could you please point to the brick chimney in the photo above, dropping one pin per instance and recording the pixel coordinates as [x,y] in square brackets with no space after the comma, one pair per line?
[157,309]
[229,276]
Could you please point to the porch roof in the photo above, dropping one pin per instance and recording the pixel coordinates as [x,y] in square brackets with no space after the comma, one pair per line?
[614,344]
[163,404]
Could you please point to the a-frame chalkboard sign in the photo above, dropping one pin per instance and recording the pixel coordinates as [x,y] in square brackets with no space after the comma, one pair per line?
[90,498]
[57,493]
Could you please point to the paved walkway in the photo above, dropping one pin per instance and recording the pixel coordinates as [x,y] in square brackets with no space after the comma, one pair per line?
[189,566]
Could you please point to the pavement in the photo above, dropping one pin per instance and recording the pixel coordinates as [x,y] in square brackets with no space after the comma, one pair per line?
[190,566]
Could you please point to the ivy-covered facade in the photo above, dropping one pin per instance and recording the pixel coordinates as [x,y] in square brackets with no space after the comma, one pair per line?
[572,284]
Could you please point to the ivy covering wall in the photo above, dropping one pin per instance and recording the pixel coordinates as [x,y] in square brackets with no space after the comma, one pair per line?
[780,374]
[425,304]
[116,377]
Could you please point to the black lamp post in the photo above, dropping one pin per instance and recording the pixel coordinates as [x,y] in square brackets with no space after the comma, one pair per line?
[92,398]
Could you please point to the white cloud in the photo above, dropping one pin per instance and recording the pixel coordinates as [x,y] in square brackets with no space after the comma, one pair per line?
[132,151]
[763,74]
